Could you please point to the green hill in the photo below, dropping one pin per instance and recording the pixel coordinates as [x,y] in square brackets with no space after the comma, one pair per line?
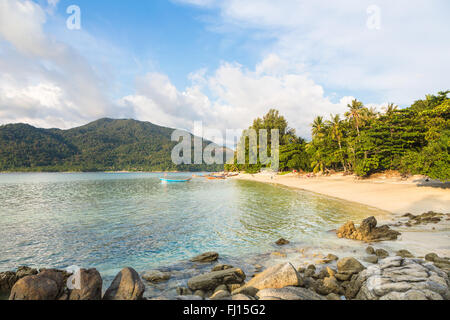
[102,145]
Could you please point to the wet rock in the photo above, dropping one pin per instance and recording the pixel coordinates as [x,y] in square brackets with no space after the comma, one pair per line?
[279,254]
[328,285]
[220,267]
[234,286]
[276,277]
[90,286]
[368,231]
[288,293]
[404,254]
[331,272]
[206,257]
[248,291]
[403,278]
[200,293]
[282,242]
[156,276]
[221,287]
[127,285]
[189,298]
[381,253]
[209,281]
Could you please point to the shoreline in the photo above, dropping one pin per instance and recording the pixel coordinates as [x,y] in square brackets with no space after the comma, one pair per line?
[392,194]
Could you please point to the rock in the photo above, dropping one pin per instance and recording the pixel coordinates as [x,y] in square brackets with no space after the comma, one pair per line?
[25,271]
[321,274]
[342,276]
[404,254]
[282,242]
[37,287]
[333,296]
[331,257]
[206,257]
[221,295]
[371,259]
[248,291]
[368,231]
[327,286]
[127,285]
[370,250]
[349,266]
[276,277]
[221,287]
[279,254]
[7,281]
[200,293]
[288,293]
[220,267]
[189,298]
[90,286]
[156,276]
[234,286]
[403,278]
[431,257]
[241,297]
[331,272]
[381,253]
[209,281]
[182,291]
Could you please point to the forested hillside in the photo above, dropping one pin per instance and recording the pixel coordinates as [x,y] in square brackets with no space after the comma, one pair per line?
[103,145]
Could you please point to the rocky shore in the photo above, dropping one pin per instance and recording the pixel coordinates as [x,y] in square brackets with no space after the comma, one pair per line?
[379,275]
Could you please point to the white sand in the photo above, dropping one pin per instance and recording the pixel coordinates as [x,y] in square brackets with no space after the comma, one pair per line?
[390,194]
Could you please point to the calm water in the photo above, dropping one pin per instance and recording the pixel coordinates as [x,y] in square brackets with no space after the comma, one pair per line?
[109,221]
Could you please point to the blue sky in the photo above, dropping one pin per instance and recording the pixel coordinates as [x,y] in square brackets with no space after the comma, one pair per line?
[220,62]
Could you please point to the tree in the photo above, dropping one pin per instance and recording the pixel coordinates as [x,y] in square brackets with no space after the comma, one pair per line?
[355,113]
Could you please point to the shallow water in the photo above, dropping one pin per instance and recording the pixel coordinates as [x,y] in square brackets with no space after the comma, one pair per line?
[112,220]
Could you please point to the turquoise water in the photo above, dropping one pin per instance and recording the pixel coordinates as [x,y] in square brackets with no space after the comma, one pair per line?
[112,220]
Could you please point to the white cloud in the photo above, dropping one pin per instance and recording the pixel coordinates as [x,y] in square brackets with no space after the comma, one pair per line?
[404,60]
[235,97]
[44,81]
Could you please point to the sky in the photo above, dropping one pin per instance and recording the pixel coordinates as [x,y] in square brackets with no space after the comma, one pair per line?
[174,62]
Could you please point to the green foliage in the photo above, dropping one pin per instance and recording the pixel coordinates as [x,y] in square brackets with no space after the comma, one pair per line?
[103,145]
[412,140]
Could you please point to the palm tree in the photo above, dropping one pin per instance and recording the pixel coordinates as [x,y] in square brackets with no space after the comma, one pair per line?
[336,133]
[355,113]
[390,109]
[318,127]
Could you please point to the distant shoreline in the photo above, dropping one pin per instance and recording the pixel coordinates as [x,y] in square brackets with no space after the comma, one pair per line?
[415,195]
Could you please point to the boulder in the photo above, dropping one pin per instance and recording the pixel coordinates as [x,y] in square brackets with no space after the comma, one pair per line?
[282,242]
[156,276]
[7,281]
[182,291]
[211,280]
[403,278]
[370,250]
[206,257]
[127,285]
[288,293]
[90,286]
[349,266]
[276,277]
[368,231]
[35,287]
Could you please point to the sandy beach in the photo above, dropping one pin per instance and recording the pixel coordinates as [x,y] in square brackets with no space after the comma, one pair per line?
[393,194]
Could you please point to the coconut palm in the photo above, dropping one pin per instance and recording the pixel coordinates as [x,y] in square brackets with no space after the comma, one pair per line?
[390,109]
[318,127]
[336,133]
[355,114]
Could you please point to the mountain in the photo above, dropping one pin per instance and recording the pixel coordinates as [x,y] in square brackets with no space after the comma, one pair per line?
[102,145]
